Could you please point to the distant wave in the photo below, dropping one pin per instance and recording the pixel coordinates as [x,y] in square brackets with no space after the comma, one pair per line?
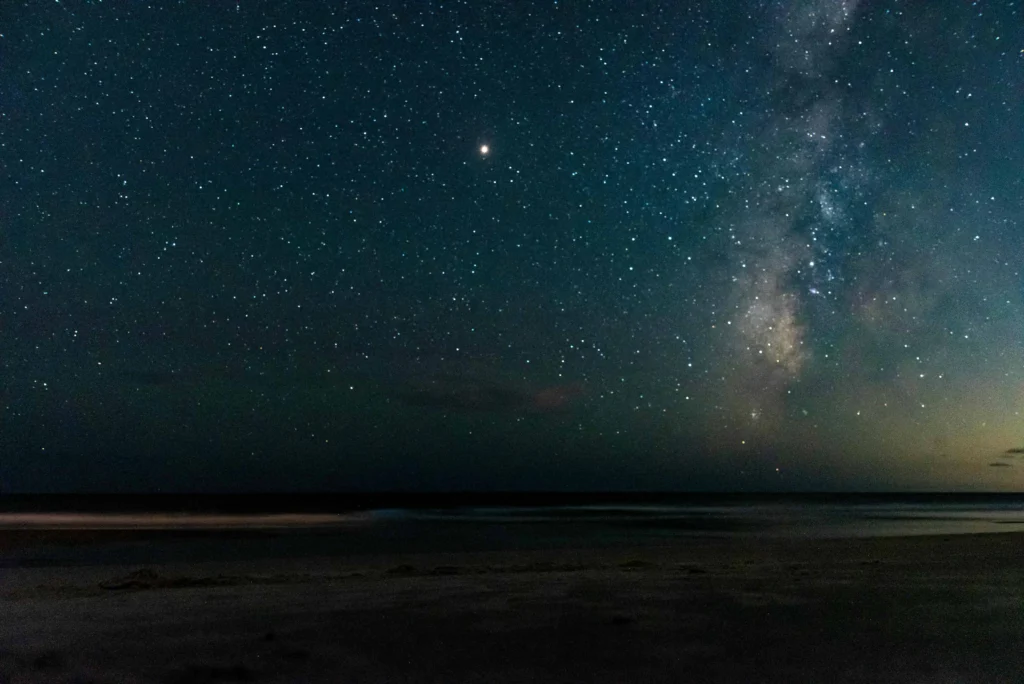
[168,521]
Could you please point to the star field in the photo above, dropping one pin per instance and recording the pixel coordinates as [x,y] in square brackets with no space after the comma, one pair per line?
[458,245]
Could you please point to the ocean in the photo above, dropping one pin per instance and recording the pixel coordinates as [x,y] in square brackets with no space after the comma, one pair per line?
[74,530]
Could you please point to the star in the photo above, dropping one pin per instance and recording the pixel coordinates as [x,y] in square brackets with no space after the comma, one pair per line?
[485,150]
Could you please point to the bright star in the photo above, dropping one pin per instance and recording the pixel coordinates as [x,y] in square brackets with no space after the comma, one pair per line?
[484,149]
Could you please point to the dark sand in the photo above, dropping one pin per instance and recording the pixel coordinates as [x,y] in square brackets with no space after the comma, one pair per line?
[920,609]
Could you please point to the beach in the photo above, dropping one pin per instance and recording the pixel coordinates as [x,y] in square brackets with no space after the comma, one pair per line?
[895,609]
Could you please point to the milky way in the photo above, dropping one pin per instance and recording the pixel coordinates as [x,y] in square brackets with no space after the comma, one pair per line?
[786,240]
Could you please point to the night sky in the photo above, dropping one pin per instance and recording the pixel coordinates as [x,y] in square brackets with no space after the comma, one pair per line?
[501,245]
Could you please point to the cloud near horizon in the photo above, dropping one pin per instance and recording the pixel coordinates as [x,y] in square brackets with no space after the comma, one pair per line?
[456,394]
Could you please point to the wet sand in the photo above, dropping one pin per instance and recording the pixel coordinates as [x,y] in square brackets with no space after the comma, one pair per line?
[916,609]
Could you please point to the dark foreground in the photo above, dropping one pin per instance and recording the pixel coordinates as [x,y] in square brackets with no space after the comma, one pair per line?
[924,609]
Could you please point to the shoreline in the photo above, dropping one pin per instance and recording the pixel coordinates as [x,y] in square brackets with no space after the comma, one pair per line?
[35,536]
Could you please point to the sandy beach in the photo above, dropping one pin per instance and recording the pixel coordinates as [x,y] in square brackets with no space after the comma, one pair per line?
[921,609]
